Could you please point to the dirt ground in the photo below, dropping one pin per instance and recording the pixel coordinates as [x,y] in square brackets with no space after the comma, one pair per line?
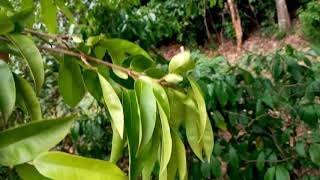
[254,43]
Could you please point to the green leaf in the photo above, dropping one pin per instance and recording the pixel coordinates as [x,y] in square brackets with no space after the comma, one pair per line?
[270,173]
[181,156]
[24,16]
[216,167]
[91,81]
[208,140]
[5,23]
[261,161]
[282,173]
[99,51]
[177,109]
[300,149]
[200,104]
[166,145]
[181,63]
[70,81]
[7,90]
[117,146]
[221,93]
[49,14]
[119,49]
[65,10]
[233,158]
[140,63]
[31,55]
[22,144]
[219,120]
[314,153]
[192,130]
[29,172]
[113,104]
[148,109]
[173,78]
[63,166]
[6,4]
[29,98]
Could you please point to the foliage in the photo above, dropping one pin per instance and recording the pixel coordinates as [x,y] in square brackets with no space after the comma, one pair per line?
[263,111]
[114,71]
[310,21]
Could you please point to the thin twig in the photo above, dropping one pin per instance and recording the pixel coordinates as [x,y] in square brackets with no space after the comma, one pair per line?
[269,161]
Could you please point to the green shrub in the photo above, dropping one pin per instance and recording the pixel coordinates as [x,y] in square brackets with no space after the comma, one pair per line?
[310,21]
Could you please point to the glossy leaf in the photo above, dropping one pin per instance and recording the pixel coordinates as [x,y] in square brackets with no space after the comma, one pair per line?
[91,81]
[29,98]
[208,140]
[113,104]
[63,166]
[31,55]
[181,156]
[29,172]
[7,90]
[119,49]
[71,85]
[49,14]
[270,174]
[282,173]
[5,23]
[200,105]
[148,109]
[314,153]
[166,144]
[181,62]
[117,146]
[22,144]
[192,131]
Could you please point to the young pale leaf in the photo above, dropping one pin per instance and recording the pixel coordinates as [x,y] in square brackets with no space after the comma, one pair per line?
[117,146]
[31,55]
[200,104]
[166,145]
[270,173]
[29,172]
[177,109]
[172,167]
[113,104]
[173,78]
[29,98]
[192,130]
[148,109]
[63,166]
[24,143]
[180,63]
[5,23]
[282,173]
[49,14]
[162,98]
[181,156]
[7,90]
[65,10]
[208,140]
[261,161]
[119,53]
[314,153]
[70,81]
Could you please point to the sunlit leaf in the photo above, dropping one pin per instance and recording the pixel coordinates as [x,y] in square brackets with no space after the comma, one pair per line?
[208,140]
[29,172]
[181,156]
[29,98]
[63,166]
[71,85]
[7,90]
[32,56]
[91,81]
[148,109]
[49,14]
[173,78]
[113,104]
[65,10]
[181,62]
[177,109]
[117,146]
[200,104]
[22,144]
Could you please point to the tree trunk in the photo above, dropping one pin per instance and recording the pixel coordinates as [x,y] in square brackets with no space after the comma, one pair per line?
[236,21]
[284,22]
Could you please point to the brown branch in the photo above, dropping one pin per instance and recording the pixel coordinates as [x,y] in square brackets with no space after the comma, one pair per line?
[269,161]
